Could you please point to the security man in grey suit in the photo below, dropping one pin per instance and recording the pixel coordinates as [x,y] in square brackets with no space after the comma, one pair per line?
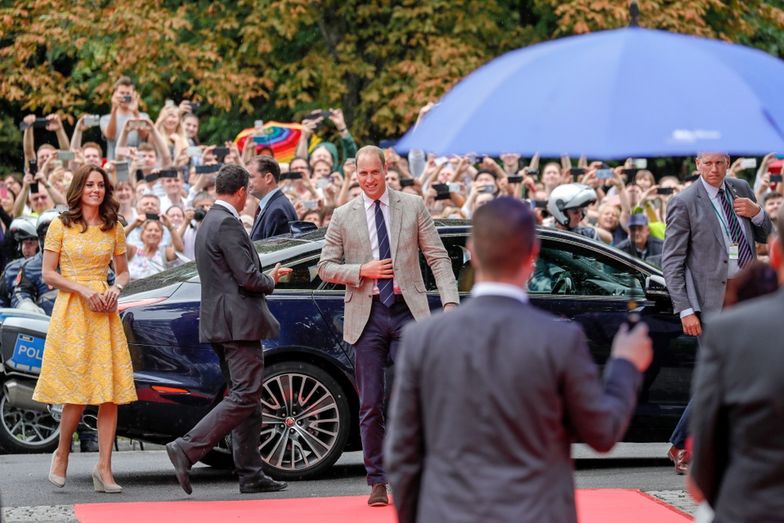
[487,399]
[233,317]
[738,418]
[711,229]
[372,246]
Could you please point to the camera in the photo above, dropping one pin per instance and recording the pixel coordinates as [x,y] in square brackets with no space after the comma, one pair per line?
[406,182]
[126,99]
[576,171]
[65,156]
[220,153]
[199,214]
[514,179]
[775,178]
[665,190]
[604,174]
[167,173]
[151,216]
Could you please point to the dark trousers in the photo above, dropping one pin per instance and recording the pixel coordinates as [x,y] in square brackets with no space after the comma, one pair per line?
[242,364]
[681,432]
[374,353]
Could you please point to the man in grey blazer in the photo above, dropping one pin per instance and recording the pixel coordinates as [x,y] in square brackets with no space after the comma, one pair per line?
[487,400]
[233,317]
[738,418]
[372,247]
[712,227]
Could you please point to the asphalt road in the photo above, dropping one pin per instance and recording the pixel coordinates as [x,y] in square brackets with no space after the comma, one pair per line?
[148,476]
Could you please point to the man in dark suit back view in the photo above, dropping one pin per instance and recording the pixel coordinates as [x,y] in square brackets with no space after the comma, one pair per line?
[275,210]
[233,317]
[487,400]
[738,417]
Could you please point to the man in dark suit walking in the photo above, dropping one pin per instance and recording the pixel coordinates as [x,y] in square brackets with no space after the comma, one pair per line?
[487,399]
[738,416]
[275,210]
[233,317]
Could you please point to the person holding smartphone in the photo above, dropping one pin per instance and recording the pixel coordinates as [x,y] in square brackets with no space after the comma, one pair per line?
[125,105]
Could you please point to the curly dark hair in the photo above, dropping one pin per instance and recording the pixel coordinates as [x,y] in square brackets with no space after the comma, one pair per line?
[108,208]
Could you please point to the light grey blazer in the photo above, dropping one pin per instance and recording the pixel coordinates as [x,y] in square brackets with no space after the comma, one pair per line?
[486,402]
[738,417]
[694,257]
[347,247]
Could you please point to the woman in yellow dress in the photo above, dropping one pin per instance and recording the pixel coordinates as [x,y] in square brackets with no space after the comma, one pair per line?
[86,359]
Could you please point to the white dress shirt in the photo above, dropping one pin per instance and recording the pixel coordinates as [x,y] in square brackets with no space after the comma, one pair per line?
[507,290]
[230,207]
[370,215]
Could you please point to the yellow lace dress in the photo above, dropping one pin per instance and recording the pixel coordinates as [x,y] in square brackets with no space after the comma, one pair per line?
[86,359]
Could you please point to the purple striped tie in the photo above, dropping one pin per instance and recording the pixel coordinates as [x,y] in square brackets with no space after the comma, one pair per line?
[385,291]
[744,249]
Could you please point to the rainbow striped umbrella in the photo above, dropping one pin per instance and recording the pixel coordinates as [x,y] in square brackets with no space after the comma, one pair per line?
[281,137]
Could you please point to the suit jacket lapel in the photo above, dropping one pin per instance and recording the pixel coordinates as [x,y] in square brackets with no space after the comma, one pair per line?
[395,220]
[704,199]
[359,219]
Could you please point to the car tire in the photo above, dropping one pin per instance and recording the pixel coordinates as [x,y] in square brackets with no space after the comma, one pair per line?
[26,431]
[306,423]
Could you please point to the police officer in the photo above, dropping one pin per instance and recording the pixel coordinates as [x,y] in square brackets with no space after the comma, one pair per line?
[29,286]
[24,234]
[567,204]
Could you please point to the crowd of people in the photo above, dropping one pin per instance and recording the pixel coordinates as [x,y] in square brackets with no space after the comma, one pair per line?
[150,184]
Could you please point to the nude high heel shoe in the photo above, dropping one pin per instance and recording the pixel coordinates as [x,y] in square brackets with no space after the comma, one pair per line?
[54,479]
[100,486]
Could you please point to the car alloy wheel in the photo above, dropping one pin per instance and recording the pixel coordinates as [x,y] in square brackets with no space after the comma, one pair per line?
[26,431]
[306,420]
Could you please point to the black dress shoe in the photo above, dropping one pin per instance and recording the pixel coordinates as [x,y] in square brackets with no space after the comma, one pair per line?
[262,484]
[181,465]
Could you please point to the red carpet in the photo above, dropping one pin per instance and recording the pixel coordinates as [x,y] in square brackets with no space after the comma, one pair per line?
[593,506]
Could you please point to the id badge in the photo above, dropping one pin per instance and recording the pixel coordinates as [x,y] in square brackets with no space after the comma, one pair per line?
[734,251]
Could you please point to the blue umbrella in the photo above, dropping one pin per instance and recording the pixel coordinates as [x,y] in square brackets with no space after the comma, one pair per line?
[613,94]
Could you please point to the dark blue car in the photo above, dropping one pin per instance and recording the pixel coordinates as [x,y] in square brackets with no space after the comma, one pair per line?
[310,400]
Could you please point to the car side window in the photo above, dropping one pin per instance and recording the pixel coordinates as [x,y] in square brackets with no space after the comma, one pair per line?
[304,276]
[569,270]
[461,265]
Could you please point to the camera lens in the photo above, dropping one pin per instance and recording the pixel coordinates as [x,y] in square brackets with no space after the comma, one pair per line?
[199,214]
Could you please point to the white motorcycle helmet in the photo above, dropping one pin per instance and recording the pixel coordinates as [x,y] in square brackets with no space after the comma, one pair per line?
[569,196]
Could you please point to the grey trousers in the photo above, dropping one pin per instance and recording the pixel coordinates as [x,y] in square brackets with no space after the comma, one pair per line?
[242,364]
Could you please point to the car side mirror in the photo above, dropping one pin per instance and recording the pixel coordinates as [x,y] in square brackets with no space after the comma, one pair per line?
[656,291]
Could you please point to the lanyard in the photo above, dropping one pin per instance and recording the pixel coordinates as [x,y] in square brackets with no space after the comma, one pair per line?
[724,224]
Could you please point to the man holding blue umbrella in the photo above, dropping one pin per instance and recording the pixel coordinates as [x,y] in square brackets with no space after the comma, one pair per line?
[712,227]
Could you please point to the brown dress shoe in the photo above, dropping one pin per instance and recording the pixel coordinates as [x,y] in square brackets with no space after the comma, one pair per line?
[378,496]
[680,458]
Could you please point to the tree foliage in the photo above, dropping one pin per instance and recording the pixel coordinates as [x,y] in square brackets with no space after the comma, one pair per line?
[380,61]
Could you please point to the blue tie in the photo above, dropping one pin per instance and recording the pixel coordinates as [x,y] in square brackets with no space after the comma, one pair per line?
[385,291]
[744,249]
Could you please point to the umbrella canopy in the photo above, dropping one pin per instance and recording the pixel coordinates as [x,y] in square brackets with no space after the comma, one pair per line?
[281,137]
[613,94]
